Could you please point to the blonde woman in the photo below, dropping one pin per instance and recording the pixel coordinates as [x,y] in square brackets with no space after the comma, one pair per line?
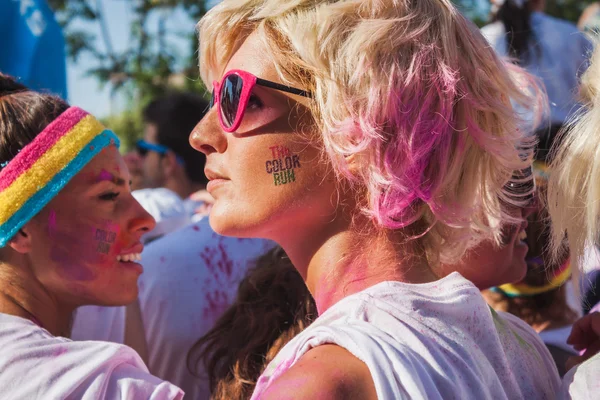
[373,140]
[574,206]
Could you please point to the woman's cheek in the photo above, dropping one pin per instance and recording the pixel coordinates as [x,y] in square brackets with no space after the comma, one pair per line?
[82,253]
[282,165]
[107,239]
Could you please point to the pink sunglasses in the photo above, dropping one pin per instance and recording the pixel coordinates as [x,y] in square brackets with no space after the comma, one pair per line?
[233,93]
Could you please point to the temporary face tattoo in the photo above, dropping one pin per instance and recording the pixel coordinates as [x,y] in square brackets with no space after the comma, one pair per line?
[283,165]
[106,237]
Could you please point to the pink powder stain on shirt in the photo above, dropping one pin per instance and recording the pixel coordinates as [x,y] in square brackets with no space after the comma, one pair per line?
[196,228]
[225,263]
[216,304]
[59,351]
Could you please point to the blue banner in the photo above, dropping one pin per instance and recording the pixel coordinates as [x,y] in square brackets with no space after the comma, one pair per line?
[32,46]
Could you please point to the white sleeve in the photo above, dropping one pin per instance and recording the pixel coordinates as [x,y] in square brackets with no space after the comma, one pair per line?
[130,383]
[582,382]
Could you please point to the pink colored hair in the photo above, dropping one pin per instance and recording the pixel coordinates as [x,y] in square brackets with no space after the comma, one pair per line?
[407,90]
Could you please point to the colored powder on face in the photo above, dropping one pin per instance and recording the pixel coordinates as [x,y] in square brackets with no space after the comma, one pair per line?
[105,176]
[71,268]
[52,223]
[74,252]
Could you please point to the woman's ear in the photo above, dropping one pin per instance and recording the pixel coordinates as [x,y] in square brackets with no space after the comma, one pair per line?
[21,242]
[353,162]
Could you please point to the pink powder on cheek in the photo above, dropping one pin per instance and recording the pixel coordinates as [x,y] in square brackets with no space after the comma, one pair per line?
[52,223]
[76,253]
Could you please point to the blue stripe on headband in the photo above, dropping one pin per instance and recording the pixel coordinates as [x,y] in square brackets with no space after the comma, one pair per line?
[39,200]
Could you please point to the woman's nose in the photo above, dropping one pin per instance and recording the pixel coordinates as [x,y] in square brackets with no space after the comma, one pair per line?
[207,136]
[142,221]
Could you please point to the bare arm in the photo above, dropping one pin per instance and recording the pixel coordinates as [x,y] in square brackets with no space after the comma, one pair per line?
[325,372]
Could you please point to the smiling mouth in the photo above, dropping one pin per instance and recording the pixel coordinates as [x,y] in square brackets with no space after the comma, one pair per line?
[131,257]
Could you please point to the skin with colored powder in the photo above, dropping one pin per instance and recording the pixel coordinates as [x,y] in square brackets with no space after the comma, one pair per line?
[72,245]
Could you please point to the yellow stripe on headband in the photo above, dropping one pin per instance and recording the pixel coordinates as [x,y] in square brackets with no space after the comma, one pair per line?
[522,289]
[47,166]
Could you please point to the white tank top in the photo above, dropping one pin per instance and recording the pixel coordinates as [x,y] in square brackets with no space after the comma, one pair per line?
[438,340]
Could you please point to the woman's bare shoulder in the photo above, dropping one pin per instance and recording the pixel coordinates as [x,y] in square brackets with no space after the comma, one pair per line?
[325,372]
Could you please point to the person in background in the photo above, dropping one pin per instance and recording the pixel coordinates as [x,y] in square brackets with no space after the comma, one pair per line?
[166,207]
[540,298]
[553,50]
[134,164]
[167,160]
[573,205]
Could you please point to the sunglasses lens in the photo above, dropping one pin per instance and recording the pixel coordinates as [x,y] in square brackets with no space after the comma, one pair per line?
[521,187]
[141,150]
[212,100]
[231,92]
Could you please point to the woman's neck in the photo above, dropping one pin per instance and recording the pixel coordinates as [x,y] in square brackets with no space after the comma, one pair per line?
[22,295]
[346,262]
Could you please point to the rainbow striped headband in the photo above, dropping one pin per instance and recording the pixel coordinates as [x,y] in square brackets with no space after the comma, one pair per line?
[42,168]
[558,278]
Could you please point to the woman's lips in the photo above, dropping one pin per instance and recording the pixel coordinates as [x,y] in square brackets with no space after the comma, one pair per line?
[214,175]
[215,183]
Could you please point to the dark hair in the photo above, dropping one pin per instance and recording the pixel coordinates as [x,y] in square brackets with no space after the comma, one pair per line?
[23,115]
[519,35]
[175,115]
[273,305]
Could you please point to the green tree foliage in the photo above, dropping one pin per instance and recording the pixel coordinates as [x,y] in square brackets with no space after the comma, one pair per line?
[145,69]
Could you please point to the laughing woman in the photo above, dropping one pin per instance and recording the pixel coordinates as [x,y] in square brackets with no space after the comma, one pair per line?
[372,140]
[69,236]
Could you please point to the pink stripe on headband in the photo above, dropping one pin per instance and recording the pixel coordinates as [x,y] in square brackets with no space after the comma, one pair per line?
[44,141]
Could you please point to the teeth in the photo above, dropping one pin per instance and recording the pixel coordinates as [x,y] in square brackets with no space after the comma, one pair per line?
[130,257]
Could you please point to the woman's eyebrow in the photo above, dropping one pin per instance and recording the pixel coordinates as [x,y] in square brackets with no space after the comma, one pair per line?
[107,176]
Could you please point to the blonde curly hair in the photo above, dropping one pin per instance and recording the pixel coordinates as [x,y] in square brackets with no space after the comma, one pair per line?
[409,88]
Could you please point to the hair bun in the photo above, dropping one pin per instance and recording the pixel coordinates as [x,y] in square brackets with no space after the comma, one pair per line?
[9,85]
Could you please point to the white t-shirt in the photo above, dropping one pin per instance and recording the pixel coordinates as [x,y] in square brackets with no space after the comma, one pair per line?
[167,208]
[36,365]
[190,277]
[438,340]
[563,57]
[558,337]
[582,382]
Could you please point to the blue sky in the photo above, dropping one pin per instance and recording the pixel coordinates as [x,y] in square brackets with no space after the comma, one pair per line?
[86,92]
